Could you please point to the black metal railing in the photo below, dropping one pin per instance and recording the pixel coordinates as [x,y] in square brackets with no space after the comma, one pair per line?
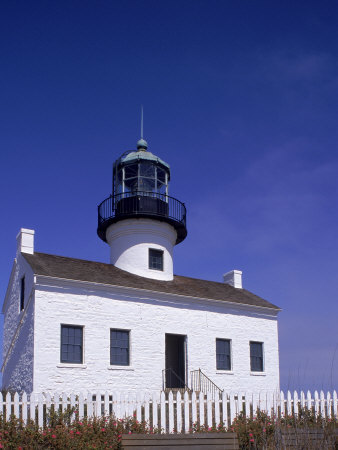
[201,383]
[142,204]
[170,380]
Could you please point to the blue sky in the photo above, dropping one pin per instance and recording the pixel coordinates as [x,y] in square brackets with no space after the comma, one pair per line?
[240,98]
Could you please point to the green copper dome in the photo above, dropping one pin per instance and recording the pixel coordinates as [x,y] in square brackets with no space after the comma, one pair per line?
[142,144]
[142,156]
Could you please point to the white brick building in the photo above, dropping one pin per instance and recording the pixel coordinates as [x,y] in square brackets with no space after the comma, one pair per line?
[73,325]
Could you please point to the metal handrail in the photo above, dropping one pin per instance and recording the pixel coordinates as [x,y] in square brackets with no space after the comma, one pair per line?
[178,378]
[202,383]
[107,209]
[142,204]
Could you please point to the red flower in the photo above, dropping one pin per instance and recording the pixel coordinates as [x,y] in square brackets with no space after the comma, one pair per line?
[102,429]
[78,432]
[53,436]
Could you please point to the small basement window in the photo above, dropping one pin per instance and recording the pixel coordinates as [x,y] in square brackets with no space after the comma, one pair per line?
[22,294]
[256,357]
[155,259]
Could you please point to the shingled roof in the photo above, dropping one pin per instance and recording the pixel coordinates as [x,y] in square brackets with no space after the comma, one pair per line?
[96,272]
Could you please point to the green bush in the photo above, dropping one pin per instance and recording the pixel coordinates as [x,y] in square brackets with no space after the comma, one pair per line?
[271,432]
[94,433]
[64,430]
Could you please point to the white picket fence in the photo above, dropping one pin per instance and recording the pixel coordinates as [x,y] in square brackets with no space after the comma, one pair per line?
[168,411]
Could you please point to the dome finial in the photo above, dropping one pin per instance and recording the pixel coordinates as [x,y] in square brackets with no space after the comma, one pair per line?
[142,144]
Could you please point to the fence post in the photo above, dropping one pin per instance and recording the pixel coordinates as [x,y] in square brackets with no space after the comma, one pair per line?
[322,404]
[97,404]
[186,412]
[209,409]
[163,421]
[171,411]
[302,399]
[328,405]
[56,398]
[146,407]
[40,410]
[89,405]
[289,403]
[232,407]
[295,403]
[32,406]
[282,404]
[64,401]
[155,406]
[123,405]
[248,399]
[309,400]
[16,405]
[201,408]
[217,412]
[316,403]
[139,399]
[179,410]
[106,404]
[335,404]
[8,406]
[73,404]
[225,409]
[24,407]
[81,406]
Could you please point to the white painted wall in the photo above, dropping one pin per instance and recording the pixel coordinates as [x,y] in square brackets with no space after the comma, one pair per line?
[149,316]
[130,241]
[18,330]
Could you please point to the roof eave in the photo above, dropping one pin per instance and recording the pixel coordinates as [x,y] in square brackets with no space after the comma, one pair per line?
[272,310]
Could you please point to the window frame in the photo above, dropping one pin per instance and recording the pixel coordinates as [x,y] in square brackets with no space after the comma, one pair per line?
[252,369]
[230,354]
[162,255]
[119,364]
[66,325]
[22,293]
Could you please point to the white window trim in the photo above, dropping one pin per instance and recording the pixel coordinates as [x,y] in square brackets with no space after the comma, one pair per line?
[66,364]
[256,372]
[159,250]
[225,371]
[119,367]
[71,366]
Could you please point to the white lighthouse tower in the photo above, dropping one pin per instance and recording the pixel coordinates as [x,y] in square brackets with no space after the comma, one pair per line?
[140,221]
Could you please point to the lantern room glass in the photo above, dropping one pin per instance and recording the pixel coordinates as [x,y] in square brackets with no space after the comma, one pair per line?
[141,176]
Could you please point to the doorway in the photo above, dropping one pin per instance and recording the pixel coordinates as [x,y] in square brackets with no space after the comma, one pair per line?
[175,360]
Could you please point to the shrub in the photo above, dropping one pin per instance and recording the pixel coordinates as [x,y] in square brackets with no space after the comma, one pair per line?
[93,433]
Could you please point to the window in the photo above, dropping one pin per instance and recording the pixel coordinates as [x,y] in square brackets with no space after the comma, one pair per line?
[223,357]
[119,347]
[22,294]
[155,259]
[71,344]
[256,356]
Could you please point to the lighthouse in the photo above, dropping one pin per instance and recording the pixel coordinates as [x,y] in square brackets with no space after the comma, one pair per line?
[139,220]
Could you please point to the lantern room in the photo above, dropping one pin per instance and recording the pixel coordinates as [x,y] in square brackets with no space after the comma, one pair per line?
[140,172]
[141,190]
